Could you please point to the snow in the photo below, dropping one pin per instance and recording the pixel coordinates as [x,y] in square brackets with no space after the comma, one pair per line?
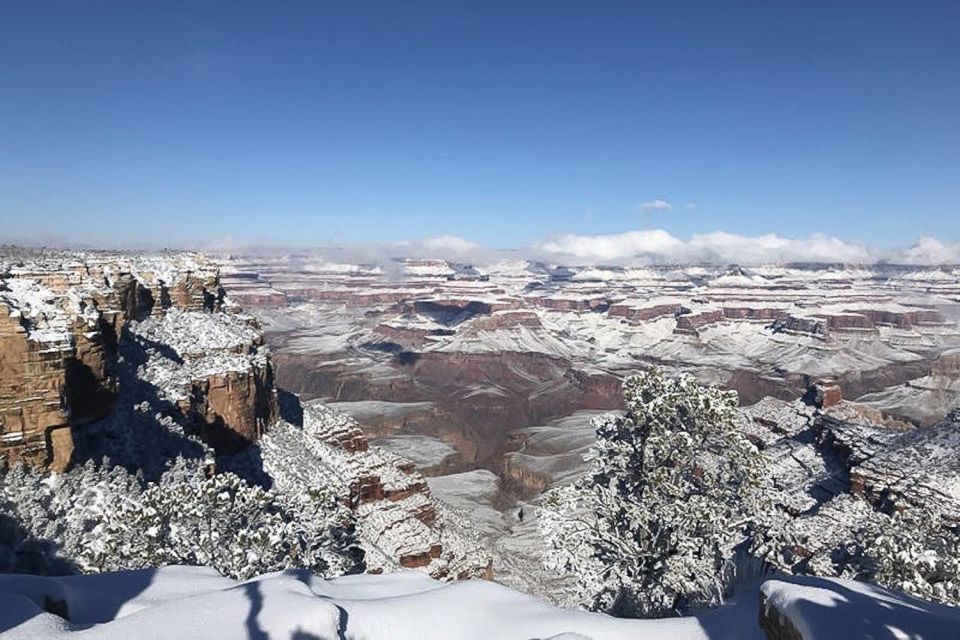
[36,305]
[184,346]
[186,602]
[423,451]
[195,602]
[474,493]
[833,608]
[167,603]
[194,333]
[369,409]
[556,449]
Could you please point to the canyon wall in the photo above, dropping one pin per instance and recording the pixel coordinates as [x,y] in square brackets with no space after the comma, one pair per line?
[143,358]
[63,320]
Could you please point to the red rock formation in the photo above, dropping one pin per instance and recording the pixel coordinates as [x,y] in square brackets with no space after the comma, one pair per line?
[54,363]
[902,319]
[34,425]
[233,409]
[827,393]
[61,322]
[568,304]
[847,321]
[691,323]
[765,314]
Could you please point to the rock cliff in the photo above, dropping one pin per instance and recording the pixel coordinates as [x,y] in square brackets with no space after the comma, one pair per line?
[143,358]
[834,469]
[66,318]
[399,524]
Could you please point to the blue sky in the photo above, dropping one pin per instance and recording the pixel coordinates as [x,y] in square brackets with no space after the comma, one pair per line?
[507,123]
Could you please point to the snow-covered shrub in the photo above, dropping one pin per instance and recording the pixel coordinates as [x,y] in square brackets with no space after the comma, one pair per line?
[651,529]
[105,519]
[914,552]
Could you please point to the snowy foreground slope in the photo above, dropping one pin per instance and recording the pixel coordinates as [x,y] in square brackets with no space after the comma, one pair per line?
[196,602]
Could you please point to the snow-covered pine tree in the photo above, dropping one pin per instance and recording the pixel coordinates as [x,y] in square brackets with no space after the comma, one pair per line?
[103,518]
[651,529]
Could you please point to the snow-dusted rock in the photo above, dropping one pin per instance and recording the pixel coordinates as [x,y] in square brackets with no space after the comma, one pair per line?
[68,321]
[823,608]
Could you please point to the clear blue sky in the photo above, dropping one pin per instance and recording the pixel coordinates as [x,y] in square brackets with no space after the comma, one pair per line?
[502,122]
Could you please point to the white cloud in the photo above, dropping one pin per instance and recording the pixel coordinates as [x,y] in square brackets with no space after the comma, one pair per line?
[656,205]
[449,243]
[616,246]
[928,250]
[692,206]
[657,245]
[646,246]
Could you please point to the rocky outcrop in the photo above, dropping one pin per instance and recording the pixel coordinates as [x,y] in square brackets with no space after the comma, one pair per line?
[776,624]
[399,524]
[645,313]
[692,323]
[759,314]
[947,365]
[233,409]
[917,469]
[833,470]
[34,425]
[810,608]
[812,326]
[572,303]
[826,393]
[216,368]
[524,479]
[55,350]
[63,317]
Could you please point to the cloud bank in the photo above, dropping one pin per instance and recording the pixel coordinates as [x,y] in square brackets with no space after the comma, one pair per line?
[645,246]
[659,246]
[931,251]
[449,243]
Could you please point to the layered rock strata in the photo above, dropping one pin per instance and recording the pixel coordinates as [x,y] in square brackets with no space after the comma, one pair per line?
[63,317]
[833,470]
[399,524]
[142,358]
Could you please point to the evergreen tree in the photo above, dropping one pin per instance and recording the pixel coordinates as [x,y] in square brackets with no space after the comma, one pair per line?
[652,528]
[103,518]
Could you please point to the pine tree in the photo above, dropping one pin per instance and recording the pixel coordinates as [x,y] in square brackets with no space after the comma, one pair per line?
[103,518]
[652,528]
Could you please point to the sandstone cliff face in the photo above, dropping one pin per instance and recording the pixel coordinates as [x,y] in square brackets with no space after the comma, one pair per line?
[63,317]
[143,358]
[33,421]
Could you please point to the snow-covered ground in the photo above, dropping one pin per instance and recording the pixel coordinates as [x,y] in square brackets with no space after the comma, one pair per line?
[196,602]
[423,451]
[473,493]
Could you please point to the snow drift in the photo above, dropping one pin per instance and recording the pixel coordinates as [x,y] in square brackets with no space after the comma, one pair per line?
[196,602]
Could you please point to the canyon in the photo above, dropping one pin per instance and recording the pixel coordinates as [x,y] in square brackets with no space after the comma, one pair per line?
[488,375]
[439,401]
[515,344]
[141,359]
